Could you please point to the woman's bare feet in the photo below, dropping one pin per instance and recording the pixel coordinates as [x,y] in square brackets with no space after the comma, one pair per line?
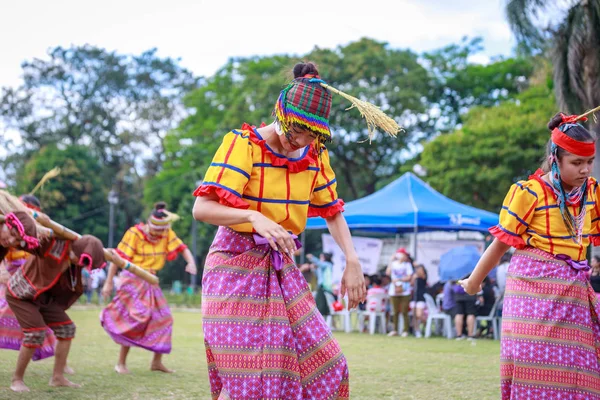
[160,367]
[69,370]
[18,386]
[121,369]
[62,381]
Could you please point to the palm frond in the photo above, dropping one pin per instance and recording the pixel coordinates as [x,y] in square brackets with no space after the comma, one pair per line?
[577,52]
[567,55]
[520,15]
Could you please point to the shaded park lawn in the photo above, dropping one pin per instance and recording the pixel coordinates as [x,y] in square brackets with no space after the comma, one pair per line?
[380,367]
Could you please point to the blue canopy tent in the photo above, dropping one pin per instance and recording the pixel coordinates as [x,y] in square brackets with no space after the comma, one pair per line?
[410,205]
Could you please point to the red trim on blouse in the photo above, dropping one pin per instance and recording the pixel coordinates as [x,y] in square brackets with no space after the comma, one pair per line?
[173,254]
[326,212]
[513,241]
[225,197]
[293,165]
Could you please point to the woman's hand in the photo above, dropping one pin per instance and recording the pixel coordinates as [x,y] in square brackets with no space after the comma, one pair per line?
[353,283]
[470,286]
[274,233]
[107,289]
[191,268]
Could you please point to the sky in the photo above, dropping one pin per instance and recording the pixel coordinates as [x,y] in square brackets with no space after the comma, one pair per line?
[204,34]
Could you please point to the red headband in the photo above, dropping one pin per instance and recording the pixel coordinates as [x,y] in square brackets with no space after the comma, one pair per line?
[564,141]
[32,207]
[582,149]
[13,222]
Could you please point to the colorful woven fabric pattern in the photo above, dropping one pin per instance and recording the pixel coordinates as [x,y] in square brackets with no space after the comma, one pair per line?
[530,216]
[151,255]
[264,336]
[246,173]
[139,316]
[305,104]
[550,330]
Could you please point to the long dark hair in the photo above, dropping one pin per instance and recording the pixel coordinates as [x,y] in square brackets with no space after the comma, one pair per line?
[421,266]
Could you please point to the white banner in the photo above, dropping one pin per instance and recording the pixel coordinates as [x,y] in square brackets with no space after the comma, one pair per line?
[368,250]
[430,251]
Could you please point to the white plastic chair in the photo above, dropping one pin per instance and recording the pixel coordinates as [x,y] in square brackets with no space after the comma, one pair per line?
[380,300]
[434,314]
[438,300]
[344,314]
[360,317]
[492,319]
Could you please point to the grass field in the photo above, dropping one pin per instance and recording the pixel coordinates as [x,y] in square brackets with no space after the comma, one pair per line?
[380,367]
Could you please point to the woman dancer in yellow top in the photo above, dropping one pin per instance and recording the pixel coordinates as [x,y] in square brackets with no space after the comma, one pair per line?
[139,314]
[550,326]
[263,333]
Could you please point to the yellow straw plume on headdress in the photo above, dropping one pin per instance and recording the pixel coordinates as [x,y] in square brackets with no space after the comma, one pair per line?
[371,113]
[54,172]
[171,217]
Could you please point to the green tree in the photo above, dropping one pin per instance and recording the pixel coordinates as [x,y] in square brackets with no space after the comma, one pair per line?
[495,147]
[460,84]
[90,96]
[118,106]
[76,197]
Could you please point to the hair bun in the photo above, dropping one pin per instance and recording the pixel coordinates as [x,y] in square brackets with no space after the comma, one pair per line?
[555,121]
[307,68]
[161,205]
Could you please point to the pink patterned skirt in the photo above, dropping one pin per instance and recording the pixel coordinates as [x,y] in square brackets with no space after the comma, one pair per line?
[263,334]
[139,316]
[550,330]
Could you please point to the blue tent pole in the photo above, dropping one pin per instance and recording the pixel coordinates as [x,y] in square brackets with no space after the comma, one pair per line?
[414,250]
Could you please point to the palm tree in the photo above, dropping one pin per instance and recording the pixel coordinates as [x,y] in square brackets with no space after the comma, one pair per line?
[572,44]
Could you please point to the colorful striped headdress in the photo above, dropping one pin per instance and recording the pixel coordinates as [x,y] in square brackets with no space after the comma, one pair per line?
[306,102]
[160,219]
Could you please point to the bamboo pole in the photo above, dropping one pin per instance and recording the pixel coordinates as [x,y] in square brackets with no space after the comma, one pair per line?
[66,233]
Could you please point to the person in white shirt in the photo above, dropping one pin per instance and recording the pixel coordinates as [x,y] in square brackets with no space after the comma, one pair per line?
[400,270]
